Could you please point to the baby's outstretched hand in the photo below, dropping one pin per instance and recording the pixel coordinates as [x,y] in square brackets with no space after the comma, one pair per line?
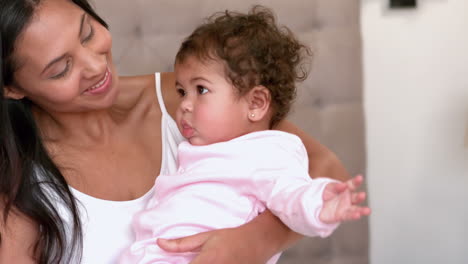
[341,201]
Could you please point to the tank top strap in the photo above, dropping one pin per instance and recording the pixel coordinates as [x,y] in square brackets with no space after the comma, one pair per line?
[170,134]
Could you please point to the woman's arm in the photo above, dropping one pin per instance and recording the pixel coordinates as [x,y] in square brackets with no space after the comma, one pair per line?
[322,161]
[18,236]
[254,242]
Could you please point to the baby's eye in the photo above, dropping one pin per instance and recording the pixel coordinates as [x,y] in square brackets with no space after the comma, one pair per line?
[201,89]
[181,92]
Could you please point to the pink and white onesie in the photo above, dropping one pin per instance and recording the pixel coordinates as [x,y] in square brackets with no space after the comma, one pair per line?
[226,185]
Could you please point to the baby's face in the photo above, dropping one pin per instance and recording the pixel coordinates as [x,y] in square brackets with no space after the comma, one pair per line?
[210,111]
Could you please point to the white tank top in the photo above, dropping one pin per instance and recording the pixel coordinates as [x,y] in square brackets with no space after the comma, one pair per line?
[107,224]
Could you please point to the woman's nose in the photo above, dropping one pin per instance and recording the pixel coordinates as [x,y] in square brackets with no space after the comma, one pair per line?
[94,63]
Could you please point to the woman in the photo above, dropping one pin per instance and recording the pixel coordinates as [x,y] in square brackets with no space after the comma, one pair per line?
[81,147]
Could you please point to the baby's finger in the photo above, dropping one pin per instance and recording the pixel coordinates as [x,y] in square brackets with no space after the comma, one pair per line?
[333,189]
[351,214]
[355,213]
[361,211]
[365,211]
[340,187]
[357,198]
[336,187]
[355,182]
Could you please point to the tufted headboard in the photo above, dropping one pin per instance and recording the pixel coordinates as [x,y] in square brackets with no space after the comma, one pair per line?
[147,34]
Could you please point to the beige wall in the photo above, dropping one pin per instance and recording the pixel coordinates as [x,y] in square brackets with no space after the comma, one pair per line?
[416,101]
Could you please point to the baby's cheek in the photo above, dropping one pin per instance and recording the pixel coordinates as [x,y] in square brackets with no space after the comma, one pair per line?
[207,116]
[178,116]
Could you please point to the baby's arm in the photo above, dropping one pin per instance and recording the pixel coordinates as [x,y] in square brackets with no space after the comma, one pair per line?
[286,189]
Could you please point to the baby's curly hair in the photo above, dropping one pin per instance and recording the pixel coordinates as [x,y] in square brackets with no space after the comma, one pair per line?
[255,50]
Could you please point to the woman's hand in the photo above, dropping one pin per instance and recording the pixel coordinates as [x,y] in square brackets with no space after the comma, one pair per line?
[254,242]
[218,246]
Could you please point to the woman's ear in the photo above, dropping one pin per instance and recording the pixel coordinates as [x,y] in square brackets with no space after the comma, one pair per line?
[259,100]
[12,93]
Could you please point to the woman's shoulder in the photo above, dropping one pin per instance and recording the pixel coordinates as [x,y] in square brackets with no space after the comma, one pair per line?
[169,92]
[137,81]
[141,90]
[135,92]
[133,87]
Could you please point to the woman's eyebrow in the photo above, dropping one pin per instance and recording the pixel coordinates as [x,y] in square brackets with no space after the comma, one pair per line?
[83,16]
[53,61]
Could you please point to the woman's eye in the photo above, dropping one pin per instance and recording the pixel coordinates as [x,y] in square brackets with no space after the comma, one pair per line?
[201,89]
[181,92]
[64,72]
[90,35]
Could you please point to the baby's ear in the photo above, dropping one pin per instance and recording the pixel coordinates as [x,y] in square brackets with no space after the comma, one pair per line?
[259,100]
[12,93]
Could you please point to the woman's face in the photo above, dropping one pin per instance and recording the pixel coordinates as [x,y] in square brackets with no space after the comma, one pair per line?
[65,61]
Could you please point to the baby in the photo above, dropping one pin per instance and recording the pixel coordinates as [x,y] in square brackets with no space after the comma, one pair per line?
[236,75]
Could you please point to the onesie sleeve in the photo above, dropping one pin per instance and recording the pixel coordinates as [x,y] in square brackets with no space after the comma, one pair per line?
[283,184]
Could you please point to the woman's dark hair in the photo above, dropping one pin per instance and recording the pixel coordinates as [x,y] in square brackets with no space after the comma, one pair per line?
[255,50]
[30,183]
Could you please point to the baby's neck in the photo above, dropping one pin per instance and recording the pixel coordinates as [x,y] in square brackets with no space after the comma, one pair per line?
[261,125]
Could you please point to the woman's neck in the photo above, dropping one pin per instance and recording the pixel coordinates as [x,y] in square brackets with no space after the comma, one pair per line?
[90,128]
[96,127]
